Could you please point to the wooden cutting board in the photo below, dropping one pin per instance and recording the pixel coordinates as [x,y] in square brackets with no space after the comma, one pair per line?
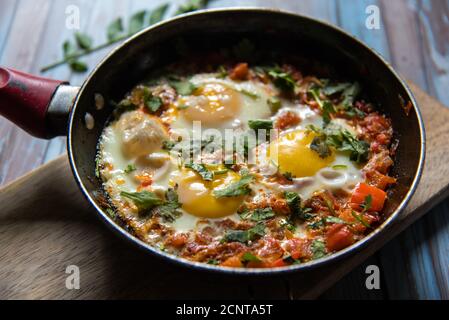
[47,225]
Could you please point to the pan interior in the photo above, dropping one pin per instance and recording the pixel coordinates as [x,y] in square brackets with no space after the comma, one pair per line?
[275,36]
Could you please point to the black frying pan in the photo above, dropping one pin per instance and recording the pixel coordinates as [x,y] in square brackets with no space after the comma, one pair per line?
[41,106]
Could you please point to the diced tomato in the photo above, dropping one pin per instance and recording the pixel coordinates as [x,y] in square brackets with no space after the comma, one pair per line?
[362,191]
[278,263]
[240,72]
[379,180]
[145,179]
[297,248]
[287,120]
[178,240]
[233,262]
[338,237]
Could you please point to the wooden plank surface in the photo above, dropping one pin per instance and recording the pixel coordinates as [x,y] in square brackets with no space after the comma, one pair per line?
[414,36]
[41,234]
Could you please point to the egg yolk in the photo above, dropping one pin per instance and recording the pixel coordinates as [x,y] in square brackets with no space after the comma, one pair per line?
[293,155]
[212,104]
[197,198]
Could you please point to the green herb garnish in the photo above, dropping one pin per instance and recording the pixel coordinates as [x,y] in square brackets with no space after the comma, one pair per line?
[183,87]
[318,249]
[275,104]
[244,236]
[360,219]
[249,257]
[201,170]
[144,200]
[260,124]
[341,140]
[152,103]
[236,189]
[282,80]
[130,168]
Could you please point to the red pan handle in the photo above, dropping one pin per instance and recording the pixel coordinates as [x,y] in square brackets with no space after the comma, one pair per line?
[24,99]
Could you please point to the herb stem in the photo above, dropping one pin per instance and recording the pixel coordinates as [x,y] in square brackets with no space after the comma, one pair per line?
[82,54]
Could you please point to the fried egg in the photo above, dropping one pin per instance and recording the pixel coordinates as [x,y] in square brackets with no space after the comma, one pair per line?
[221,104]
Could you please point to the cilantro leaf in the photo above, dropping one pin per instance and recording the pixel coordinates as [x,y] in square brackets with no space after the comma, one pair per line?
[244,236]
[260,124]
[144,200]
[318,249]
[201,170]
[294,203]
[328,109]
[282,80]
[260,214]
[152,103]
[321,146]
[169,211]
[340,139]
[183,87]
[130,168]
[236,189]
[249,257]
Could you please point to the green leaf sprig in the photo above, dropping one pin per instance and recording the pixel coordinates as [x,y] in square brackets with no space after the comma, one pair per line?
[116,32]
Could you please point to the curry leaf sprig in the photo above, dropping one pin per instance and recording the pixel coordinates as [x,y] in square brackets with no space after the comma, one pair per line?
[83,44]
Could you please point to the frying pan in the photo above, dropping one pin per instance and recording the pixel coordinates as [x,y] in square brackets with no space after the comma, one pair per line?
[48,108]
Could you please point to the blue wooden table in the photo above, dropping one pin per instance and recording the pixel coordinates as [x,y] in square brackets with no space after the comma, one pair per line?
[412,34]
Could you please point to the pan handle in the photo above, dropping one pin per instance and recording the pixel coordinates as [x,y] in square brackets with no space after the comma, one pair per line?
[38,105]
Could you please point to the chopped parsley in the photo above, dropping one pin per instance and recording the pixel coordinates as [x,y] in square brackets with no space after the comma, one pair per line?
[244,236]
[213,262]
[169,211]
[201,170]
[282,80]
[258,215]
[183,87]
[249,257]
[144,200]
[318,249]
[149,202]
[151,102]
[260,124]
[297,212]
[236,189]
[130,168]
[340,139]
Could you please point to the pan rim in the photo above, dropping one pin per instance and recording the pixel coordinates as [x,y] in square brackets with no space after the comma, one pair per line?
[384,227]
